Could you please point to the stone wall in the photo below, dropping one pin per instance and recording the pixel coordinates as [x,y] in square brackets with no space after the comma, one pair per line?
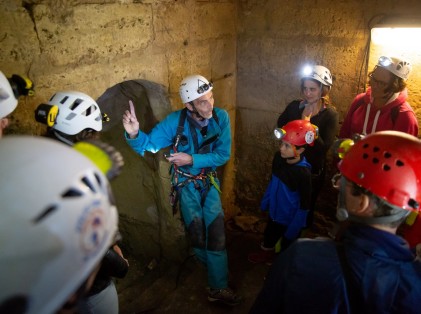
[90,46]
[275,39]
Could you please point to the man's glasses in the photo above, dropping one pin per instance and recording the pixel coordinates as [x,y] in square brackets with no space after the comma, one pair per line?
[374,81]
[336,181]
[203,88]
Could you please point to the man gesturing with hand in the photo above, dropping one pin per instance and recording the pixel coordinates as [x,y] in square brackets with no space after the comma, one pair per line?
[200,137]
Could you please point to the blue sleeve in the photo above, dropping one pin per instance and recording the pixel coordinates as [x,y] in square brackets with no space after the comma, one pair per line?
[221,150]
[299,221]
[161,136]
[265,203]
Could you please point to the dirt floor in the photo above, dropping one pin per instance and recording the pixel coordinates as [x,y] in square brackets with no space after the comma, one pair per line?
[164,287]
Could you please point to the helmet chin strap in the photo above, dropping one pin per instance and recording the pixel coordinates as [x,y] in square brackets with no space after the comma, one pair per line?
[196,112]
[295,154]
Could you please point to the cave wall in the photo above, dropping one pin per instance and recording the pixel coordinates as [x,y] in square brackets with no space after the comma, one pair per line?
[275,40]
[92,46]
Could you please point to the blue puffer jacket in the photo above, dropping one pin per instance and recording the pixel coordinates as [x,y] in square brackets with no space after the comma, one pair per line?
[163,134]
[287,197]
[307,277]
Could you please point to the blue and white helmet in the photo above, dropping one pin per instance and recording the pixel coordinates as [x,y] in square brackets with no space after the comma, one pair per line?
[58,220]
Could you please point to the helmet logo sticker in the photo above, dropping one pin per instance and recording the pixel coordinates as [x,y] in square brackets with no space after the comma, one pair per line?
[309,137]
[91,226]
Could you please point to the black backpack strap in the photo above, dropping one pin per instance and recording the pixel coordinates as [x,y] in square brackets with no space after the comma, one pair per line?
[181,120]
[215,116]
[394,112]
[180,128]
[357,105]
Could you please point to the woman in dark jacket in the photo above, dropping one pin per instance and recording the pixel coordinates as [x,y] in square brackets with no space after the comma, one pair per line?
[316,83]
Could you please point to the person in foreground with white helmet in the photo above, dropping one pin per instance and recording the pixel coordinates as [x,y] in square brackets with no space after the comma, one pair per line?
[71,117]
[370,269]
[384,105]
[288,195]
[102,297]
[10,90]
[200,136]
[58,219]
[316,83]
[75,119]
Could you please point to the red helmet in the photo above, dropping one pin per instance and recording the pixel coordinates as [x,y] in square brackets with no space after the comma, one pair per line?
[387,164]
[298,133]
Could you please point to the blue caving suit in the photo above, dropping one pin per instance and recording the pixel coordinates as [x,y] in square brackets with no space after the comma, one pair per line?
[205,224]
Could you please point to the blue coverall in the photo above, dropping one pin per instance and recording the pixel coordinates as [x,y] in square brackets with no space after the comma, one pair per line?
[205,225]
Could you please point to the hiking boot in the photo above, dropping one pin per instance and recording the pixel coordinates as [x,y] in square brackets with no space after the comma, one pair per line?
[263,256]
[225,296]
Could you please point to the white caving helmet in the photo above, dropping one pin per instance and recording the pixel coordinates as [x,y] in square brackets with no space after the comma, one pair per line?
[398,67]
[58,219]
[8,101]
[193,87]
[318,73]
[77,112]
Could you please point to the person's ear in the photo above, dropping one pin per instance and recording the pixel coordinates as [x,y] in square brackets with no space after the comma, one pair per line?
[364,207]
[4,122]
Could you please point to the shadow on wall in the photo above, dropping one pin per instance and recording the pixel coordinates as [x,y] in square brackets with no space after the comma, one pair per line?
[147,224]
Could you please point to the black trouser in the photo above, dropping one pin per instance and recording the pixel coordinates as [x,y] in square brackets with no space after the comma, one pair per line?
[317,182]
[273,232]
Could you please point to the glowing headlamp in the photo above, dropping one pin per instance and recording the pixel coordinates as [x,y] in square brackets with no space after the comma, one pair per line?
[385,61]
[279,133]
[307,70]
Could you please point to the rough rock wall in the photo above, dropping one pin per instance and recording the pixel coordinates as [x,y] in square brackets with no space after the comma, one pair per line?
[275,39]
[92,45]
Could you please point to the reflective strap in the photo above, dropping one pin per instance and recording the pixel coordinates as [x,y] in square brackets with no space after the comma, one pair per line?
[213,182]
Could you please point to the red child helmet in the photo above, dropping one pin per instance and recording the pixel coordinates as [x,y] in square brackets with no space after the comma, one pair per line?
[387,164]
[298,133]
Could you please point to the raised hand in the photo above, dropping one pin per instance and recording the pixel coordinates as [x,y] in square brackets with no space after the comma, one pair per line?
[130,123]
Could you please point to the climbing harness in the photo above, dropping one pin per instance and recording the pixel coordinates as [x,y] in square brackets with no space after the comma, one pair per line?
[202,181]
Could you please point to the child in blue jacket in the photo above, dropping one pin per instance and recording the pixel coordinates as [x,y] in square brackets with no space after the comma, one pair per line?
[287,197]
